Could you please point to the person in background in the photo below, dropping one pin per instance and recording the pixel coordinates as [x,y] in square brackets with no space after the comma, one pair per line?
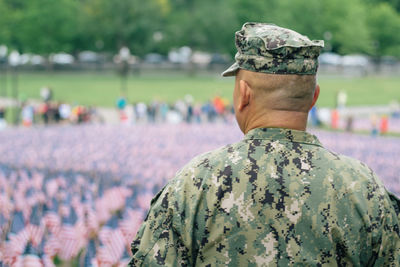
[3,122]
[384,124]
[341,99]
[27,114]
[374,125]
[46,93]
[65,111]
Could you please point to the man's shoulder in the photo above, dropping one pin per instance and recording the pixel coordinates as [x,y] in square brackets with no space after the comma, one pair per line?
[342,163]
[350,162]
[212,162]
[349,177]
[213,157]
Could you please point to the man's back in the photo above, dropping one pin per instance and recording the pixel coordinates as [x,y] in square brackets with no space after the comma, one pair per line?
[275,198]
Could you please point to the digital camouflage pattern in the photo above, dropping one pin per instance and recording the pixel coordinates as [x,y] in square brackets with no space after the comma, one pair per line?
[276,198]
[268,48]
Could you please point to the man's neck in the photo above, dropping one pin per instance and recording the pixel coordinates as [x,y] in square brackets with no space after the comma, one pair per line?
[277,119]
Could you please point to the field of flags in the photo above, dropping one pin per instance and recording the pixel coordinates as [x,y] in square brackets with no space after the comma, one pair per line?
[76,195]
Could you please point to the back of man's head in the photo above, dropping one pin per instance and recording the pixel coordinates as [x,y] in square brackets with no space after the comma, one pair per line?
[281,92]
[275,72]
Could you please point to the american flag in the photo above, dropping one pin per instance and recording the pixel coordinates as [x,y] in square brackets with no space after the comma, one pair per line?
[51,218]
[90,217]
[16,240]
[35,225]
[28,258]
[71,236]
[52,246]
[112,242]
[130,224]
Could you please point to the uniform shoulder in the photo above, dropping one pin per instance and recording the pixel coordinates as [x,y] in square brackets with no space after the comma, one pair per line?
[345,163]
[193,178]
[210,161]
[212,156]
[352,176]
[353,162]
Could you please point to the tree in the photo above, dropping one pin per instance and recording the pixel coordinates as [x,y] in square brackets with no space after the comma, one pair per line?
[44,26]
[345,22]
[204,25]
[333,20]
[384,25]
[5,20]
[393,3]
[118,23]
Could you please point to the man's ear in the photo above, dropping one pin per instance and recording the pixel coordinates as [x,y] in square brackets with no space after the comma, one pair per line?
[315,97]
[244,95]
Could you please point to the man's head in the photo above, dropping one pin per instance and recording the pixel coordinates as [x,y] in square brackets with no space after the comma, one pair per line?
[275,77]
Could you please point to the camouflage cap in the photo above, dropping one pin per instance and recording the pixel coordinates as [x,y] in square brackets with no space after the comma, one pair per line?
[268,48]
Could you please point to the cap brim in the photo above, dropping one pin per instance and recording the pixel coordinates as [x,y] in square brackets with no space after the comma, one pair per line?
[231,71]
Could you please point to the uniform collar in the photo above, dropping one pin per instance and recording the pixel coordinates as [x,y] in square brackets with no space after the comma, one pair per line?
[281,134]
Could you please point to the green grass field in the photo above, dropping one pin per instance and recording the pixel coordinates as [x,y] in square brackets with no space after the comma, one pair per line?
[103,89]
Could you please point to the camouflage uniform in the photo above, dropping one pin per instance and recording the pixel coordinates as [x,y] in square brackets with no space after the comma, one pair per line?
[276,198]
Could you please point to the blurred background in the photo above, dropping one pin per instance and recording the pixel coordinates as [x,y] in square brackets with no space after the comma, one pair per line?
[102,101]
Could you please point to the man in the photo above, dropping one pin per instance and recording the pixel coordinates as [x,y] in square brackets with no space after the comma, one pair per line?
[277,197]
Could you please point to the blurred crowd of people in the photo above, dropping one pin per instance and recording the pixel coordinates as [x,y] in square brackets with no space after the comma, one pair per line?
[46,112]
[50,112]
[54,112]
[186,110]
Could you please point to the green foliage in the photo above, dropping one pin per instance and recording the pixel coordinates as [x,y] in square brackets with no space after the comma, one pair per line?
[394,3]
[384,23]
[257,11]
[120,23]
[202,31]
[346,21]
[306,17]
[316,19]
[46,26]
[5,19]
[42,26]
